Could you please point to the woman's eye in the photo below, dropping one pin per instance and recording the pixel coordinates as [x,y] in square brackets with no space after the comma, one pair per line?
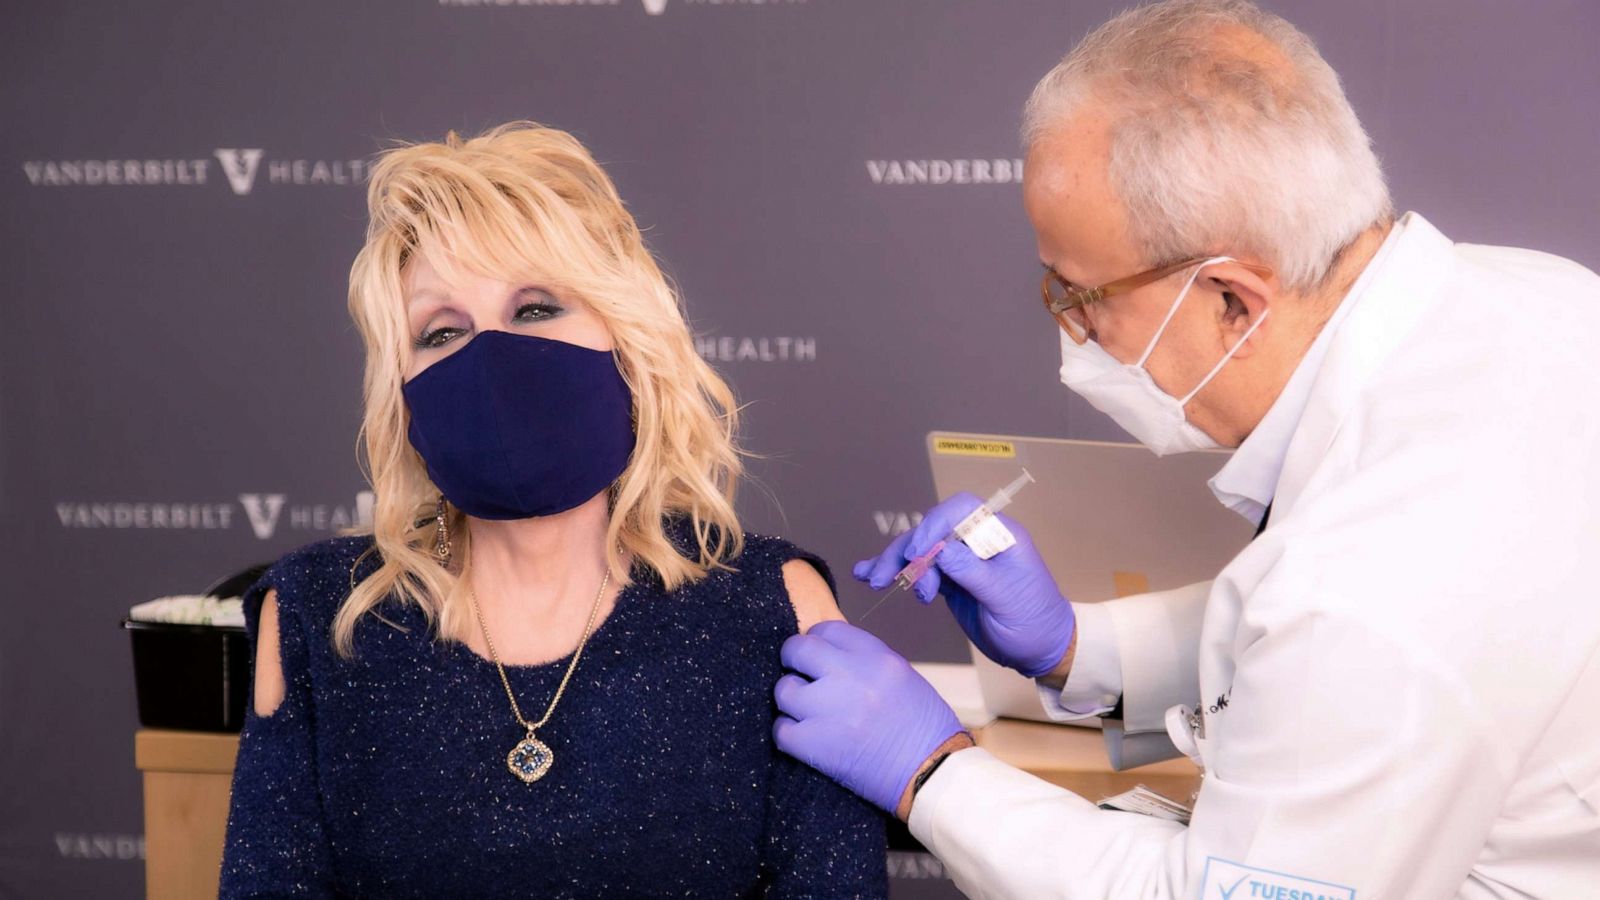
[537,312]
[438,337]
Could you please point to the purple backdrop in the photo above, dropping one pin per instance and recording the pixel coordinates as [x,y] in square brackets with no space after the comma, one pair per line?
[833,183]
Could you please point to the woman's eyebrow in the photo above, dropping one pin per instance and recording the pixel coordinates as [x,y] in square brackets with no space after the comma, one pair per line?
[426,294]
[423,305]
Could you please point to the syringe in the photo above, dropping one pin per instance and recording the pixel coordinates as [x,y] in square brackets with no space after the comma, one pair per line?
[964,530]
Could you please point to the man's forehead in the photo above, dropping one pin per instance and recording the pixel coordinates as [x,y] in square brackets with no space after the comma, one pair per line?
[1072,156]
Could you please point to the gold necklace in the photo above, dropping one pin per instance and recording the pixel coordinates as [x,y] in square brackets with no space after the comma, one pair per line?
[531,758]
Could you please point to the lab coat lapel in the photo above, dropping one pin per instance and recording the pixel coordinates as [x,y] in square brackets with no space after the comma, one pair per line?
[1409,283]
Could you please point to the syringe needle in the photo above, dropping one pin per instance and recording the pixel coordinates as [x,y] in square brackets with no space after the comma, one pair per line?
[881,600]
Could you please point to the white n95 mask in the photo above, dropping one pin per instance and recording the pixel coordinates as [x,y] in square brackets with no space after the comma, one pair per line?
[1127,393]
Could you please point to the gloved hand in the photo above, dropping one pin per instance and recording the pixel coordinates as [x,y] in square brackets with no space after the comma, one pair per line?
[1009,605]
[858,712]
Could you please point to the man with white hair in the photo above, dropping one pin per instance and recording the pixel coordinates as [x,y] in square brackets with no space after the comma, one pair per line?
[1394,691]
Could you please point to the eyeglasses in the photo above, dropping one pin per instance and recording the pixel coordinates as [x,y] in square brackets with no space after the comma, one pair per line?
[1066,301]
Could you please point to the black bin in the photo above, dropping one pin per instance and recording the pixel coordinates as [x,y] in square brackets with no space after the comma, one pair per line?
[190,677]
[194,677]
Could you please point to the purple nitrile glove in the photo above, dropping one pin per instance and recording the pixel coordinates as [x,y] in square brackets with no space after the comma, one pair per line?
[857,712]
[1009,605]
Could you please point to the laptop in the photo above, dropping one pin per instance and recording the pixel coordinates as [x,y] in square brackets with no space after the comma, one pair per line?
[1108,519]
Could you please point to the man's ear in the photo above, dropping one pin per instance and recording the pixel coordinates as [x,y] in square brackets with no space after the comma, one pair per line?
[1247,294]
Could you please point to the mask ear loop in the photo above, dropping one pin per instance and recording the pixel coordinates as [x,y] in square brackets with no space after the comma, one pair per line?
[1225,357]
[1151,347]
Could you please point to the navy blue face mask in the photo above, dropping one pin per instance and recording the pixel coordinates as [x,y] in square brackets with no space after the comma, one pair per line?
[513,426]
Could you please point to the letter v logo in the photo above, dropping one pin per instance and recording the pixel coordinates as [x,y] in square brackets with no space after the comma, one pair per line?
[655,7]
[263,511]
[240,167]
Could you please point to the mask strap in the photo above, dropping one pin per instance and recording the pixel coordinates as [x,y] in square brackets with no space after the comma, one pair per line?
[1225,357]
[1151,347]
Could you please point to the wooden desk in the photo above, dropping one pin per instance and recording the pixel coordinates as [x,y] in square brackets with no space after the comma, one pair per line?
[1075,758]
[187,775]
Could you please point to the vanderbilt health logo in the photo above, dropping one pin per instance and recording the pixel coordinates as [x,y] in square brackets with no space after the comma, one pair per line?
[242,169]
[652,7]
[726,348]
[263,513]
[944,171]
[124,847]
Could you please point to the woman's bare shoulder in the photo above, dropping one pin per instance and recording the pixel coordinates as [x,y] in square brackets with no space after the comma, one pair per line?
[809,592]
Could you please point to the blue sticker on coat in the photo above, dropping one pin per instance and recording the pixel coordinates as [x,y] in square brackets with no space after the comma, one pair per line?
[1227,880]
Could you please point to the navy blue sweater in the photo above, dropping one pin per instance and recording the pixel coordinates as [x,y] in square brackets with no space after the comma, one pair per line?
[384,775]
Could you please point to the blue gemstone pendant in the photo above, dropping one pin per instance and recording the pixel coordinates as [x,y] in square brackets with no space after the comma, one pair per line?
[530,759]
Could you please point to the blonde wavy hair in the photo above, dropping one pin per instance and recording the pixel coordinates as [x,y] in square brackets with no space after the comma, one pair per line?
[517,197]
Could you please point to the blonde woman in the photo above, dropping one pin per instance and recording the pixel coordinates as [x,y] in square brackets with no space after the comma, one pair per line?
[548,671]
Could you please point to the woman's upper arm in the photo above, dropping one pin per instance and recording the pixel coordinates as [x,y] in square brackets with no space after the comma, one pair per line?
[813,600]
[275,844]
[269,687]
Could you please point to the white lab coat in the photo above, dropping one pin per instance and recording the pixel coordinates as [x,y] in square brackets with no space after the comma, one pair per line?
[1401,676]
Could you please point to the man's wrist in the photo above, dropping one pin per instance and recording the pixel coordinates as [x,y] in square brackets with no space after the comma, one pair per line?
[961,740]
[1056,678]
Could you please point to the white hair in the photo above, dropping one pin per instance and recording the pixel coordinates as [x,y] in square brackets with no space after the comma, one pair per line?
[1216,146]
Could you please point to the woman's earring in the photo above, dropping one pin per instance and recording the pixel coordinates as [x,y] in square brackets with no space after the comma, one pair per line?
[441,540]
